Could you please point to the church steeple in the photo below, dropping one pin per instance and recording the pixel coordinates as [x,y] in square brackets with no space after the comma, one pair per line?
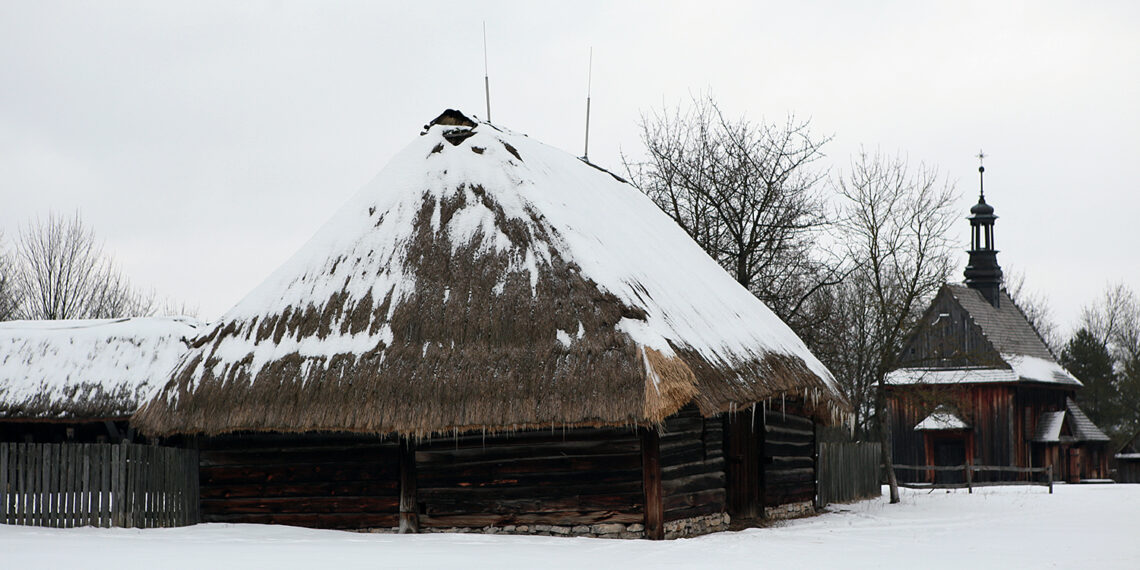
[983,272]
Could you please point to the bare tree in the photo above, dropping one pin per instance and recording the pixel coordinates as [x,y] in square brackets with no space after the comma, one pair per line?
[1112,322]
[1035,306]
[62,273]
[845,342]
[895,229]
[1114,318]
[748,193]
[9,294]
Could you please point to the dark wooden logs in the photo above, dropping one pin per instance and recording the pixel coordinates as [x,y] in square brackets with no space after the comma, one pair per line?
[790,456]
[651,481]
[304,480]
[562,477]
[692,465]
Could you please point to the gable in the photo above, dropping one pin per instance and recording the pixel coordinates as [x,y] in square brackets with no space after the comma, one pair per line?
[947,336]
[962,338]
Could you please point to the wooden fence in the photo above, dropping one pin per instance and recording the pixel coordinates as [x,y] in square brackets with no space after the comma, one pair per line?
[969,470]
[848,472]
[93,484]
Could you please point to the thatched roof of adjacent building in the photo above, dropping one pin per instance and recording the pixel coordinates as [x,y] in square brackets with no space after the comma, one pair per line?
[86,369]
[486,281]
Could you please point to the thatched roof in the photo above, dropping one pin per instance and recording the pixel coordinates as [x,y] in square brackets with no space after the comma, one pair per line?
[86,369]
[484,280]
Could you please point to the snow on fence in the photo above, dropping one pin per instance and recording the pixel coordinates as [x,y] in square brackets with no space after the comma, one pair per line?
[848,472]
[94,484]
[968,471]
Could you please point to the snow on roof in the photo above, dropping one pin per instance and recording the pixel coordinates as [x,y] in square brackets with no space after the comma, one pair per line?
[86,368]
[560,239]
[614,233]
[1037,369]
[1049,426]
[1022,369]
[961,375]
[941,419]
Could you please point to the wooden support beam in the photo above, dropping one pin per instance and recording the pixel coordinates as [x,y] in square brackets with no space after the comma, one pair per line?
[409,507]
[651,483]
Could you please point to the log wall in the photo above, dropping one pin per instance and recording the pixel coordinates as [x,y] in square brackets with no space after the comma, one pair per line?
[571,477]
[692,465]
[311,481]
[789,454]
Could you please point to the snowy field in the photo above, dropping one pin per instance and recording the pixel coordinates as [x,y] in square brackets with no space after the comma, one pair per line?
[1085,526]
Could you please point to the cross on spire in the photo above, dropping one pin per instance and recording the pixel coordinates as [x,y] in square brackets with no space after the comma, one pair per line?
[981,172]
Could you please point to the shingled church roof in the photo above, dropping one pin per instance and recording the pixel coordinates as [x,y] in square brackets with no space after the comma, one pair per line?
[1017,352]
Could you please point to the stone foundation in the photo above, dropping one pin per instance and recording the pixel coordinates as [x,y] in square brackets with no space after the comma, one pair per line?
[694,526]
[790,511]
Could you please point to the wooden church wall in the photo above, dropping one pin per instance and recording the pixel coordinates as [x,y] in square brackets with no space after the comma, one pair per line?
[311,481]
[994,424]
[692,465]
[562,477]
[990,410]
[908,447]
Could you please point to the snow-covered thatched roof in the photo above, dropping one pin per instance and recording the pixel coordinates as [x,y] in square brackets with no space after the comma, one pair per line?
[86,369]
[485,280]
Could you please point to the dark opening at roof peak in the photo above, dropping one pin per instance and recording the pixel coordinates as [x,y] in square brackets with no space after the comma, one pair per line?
[451,118]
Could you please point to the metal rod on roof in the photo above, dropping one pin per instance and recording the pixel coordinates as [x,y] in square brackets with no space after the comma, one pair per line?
[589,85]
[486,75]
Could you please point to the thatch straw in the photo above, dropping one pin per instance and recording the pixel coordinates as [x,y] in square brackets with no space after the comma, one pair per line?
[474,346]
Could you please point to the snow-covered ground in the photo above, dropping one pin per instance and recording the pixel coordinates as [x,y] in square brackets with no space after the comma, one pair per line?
[1085,526]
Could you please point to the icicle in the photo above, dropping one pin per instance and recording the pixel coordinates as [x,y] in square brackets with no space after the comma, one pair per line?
[753,416]
[783,407]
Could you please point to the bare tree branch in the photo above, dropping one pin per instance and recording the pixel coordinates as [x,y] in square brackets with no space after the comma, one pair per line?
[62,273]
[747,193]
[895,229]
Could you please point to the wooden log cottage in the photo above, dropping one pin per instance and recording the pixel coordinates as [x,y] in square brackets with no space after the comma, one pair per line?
[979,386]
[494,335]
[80,380]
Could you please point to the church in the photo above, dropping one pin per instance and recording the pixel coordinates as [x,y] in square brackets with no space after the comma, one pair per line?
[978,384]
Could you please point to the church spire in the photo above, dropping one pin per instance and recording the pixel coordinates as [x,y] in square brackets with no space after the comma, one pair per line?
[983,272]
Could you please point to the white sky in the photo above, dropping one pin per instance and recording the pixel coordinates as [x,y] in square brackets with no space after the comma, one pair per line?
[207,141]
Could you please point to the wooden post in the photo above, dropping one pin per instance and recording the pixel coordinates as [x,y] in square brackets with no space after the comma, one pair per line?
[1049,474]
[815,463]
[970,477]
[409,509]
[4,491]
[651,483]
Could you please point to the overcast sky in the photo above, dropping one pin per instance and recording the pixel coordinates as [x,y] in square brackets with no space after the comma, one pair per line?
[206,141]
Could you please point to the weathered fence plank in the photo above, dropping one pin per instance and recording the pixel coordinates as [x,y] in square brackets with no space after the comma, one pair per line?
[71,484]
[848,472]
